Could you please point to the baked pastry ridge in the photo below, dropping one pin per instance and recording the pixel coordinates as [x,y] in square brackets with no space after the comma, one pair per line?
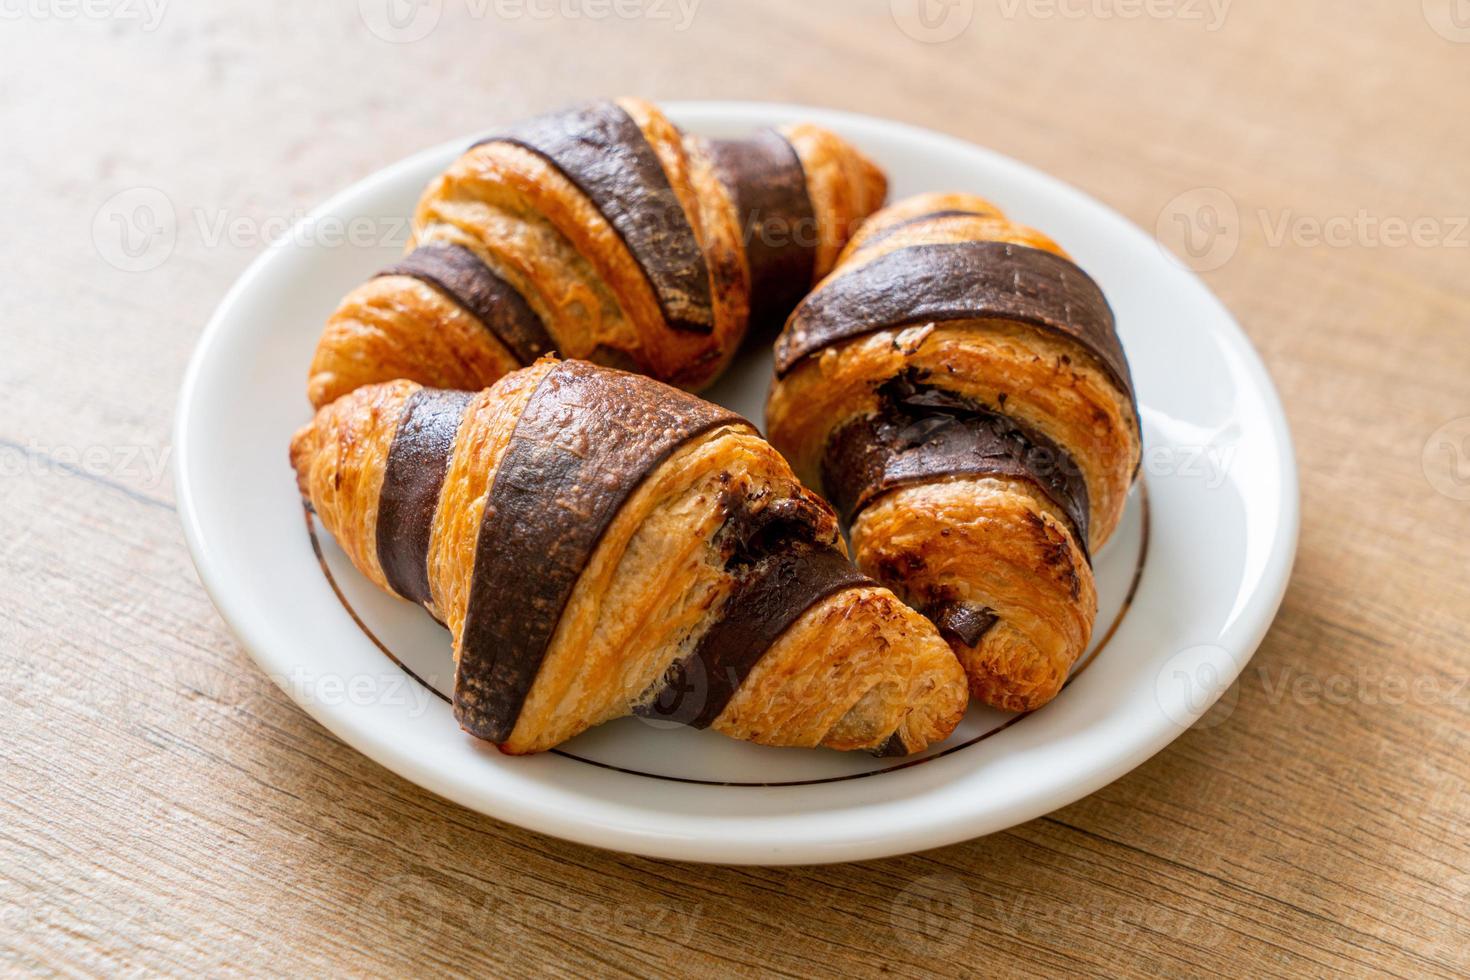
[600,544]
[957,388]
[601,232]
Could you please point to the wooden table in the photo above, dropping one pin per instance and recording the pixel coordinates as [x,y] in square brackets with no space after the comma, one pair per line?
[166,809]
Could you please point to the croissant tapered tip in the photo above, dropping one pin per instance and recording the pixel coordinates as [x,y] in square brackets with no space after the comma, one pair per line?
[303,448]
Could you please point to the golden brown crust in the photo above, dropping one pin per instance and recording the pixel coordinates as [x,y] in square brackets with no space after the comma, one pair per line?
[537,231]
[686,360]
[340,459]
[911,208]
[568,261]
[990,543]
[397,327]
[845,187]
[1045,383]
[484,434]
[648,591]
[994,544]
[854,670]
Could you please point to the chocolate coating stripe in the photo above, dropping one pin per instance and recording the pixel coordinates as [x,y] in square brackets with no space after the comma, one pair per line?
[460,274]
[600,149]
[764,604]
[587,438]
[921,434]
[777,222]
[417,461]
[966,280]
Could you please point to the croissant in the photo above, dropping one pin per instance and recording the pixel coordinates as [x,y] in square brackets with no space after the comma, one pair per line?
[603,233]
[601,544]
[957,388]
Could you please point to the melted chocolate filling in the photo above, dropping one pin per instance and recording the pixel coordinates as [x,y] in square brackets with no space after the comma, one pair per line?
[962,622]
[921,433]
[781,571]
[893,748]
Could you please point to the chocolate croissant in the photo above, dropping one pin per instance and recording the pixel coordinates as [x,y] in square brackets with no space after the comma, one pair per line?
[604,233]
[601,544]
[957,388]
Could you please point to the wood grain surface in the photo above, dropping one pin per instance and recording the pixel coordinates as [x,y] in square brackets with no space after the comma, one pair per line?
[167,810]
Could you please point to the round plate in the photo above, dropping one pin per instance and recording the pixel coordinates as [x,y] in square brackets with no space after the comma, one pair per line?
[1187,587]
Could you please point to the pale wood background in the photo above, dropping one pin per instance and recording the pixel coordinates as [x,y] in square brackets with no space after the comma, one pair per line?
[166,809]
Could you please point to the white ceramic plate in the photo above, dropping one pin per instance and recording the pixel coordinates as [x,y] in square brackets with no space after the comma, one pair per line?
[1187,587]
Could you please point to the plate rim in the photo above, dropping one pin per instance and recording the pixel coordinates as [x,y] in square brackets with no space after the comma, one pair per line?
[759,848]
